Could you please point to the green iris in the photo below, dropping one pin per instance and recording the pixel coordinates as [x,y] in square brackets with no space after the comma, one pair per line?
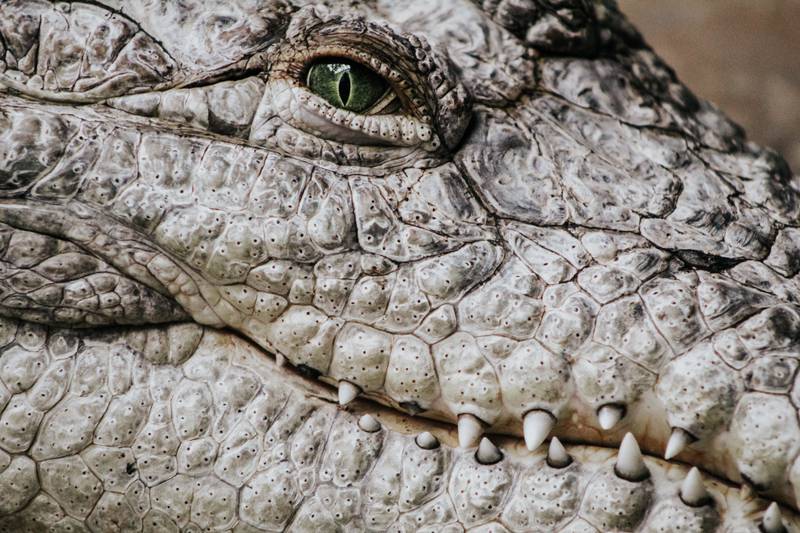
[346,84]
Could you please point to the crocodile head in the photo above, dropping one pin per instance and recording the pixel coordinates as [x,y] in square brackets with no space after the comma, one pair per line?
[223,222]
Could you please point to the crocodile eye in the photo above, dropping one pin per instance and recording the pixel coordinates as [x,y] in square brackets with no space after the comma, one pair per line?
[356,94]
[347,85]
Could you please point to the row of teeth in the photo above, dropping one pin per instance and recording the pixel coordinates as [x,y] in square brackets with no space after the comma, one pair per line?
[536,424]
[629,466]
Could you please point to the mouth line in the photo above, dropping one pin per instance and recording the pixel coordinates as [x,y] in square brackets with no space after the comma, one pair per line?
[585,452]
[324,389]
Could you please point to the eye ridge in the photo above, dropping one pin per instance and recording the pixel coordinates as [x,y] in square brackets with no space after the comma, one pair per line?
[346,84]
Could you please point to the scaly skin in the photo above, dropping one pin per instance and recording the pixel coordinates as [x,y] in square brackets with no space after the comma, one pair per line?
[552,237]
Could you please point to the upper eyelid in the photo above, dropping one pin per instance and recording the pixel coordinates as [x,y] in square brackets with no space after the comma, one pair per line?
[406,61]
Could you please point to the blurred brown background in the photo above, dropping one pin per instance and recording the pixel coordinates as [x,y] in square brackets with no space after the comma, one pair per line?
[743,55]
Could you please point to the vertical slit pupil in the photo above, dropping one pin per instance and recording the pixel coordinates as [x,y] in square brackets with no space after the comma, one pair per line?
[344,88]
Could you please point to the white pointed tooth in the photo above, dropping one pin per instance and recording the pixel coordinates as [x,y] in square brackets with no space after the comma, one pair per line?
[347,392]
[557,455]
[772,521]
[678,440]
[369,424]
[536,426]
[630,465]
[427,441]
[693,491]
[280,360]
[488,453]
[609,415]
[470,430]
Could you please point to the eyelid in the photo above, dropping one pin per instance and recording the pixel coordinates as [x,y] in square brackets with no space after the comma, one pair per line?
[436,107]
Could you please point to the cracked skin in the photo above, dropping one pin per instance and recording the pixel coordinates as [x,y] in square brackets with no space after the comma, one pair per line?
[496,269]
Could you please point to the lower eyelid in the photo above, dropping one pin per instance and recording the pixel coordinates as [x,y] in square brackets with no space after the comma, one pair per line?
[303,110]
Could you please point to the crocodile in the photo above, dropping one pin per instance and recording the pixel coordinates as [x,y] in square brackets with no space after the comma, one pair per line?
[325,265]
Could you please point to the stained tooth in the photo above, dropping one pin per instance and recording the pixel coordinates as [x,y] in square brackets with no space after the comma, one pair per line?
[369,424]
[630,465]
[347,392]
[679,440]
[536,426]
[488,453]
[772,522]
[557,455]
[693,491]
[609,415]
[427,441]
[470,430]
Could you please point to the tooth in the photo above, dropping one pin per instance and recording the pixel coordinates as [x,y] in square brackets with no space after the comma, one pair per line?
[609,415]
[536,426]
[772,522]
[427,441]
[470,430]
[557,456]
[347,392]
[488,453]
[693,491]
[630,465]
[280,360]
[679,440]
[369,424]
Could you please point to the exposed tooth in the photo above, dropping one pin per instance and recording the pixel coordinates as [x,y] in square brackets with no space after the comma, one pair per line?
[693,491]
[280,360]
[536,426]
[557,455]
[630,465]
[772,522]
[369,424]
[488,453]
[470,430]
[609,415]
[679,440]
[347,392]
[427,441]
